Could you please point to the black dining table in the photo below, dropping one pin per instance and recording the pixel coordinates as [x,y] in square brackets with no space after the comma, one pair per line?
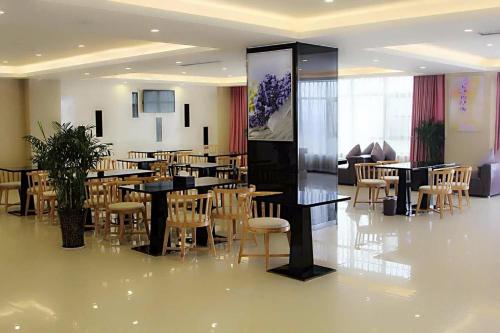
[119,173]
[23,190]
[159,192]
[212,157]
[142,162]
[208,169]
[151,153]
[297,211]
[408,173]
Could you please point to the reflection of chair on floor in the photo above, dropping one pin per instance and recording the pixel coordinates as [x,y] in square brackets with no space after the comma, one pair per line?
[390,176]
[367,176]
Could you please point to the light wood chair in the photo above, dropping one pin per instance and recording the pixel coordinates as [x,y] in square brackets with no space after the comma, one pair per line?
[123,209]
[161,168]
[243,168]
[9,181]
[182,156]
[122,165]
[211,149]
[228,168]
[165,157]
[227,209]
[460,184]
[136,154]
[45,196]
[390,176]
[185,212]
[96,202]
[197,159]
[262,218]
[31,191]
[368,176]
[440,186]
[105,164]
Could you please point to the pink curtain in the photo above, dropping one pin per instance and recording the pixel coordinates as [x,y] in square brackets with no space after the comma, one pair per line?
[238,120]
[497,126]
[428,104]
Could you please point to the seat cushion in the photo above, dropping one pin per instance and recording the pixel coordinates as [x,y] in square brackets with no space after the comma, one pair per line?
[391,178]
[118,206]
[10,185]
[372,182]
[267,223]
[435,188]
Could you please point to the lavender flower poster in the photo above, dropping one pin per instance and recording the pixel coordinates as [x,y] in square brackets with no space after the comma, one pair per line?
[467,103]
[270,111]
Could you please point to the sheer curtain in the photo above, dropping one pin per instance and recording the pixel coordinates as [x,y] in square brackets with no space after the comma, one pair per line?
[373,110]
[317,125]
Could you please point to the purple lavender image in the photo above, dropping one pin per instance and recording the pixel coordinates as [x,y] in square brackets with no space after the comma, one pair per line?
[464,88]
[271,95]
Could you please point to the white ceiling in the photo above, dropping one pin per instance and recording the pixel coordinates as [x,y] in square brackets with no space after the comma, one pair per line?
[55,28]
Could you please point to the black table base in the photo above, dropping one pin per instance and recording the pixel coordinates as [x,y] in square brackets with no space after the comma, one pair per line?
[302,275]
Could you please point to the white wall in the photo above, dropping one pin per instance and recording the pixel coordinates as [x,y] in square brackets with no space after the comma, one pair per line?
[80,98]
[43,105]
[470,148]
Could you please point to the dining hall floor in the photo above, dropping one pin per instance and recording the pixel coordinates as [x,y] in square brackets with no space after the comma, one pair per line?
[394,275]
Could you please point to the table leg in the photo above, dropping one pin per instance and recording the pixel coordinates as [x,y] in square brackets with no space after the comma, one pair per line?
[404,193]
[301,264]
[143,165]
[157,227]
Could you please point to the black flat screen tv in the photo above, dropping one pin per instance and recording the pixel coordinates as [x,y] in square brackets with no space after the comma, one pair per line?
[158,101]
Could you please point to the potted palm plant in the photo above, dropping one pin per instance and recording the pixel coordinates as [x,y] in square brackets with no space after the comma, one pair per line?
[430,133]
[67,156]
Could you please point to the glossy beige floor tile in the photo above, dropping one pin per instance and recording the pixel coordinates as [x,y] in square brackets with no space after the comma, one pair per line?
[395,274]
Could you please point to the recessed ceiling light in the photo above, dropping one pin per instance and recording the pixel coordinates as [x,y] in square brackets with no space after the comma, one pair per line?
[38,55]
[81,46]
[2,12]
[17,327]
[224,68]
[87,73]
[178,62]
[329,1]
[305,60]
[468,30]
[489,44]
[422,67]
[155,30]
[376,60]
[183,72]
[5,62]
[300,69]
[417,316]
[128,68]
[135,322]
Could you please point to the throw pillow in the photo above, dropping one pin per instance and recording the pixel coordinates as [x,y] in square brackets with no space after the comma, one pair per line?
[368,150]
[389,152]
[377,153]
[355,151]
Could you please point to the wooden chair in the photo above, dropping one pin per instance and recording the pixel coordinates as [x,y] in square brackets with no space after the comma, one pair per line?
[227,209]
[165,157]
[211,149]
[460,184]
[243,168]
[31,191]
[439,185]
[185,212]
[161,168]
[123,209]
[228,168]
[390,176]
[96,202]
[261,218]
[136,154]
[105,164]
[45,195]
[196,159]
[183,156]
[9,181]
[368,176]
[121,165]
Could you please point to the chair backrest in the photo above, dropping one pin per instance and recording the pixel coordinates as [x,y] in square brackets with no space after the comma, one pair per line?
[8,176]
[211,149]
[136,154]
[366,171]
[196,159]
[228,202]
[182,156]
[387,172]
[41,179]
[161,168]
[462,175]
[105,163]
[95,193]
[190,209]
[232,161]
[121,165]
[165,156]
[441,179]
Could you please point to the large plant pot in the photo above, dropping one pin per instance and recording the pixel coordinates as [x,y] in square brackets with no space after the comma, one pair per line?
[72,228]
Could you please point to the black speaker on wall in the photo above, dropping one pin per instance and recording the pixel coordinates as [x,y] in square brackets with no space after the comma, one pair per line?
[135,104]
[186,115]
[98,123]
[205,136]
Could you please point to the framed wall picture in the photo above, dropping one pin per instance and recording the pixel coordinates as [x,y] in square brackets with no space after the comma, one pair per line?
[467,103]
[270,100]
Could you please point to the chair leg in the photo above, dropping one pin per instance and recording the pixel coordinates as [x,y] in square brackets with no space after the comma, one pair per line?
[229,236]
[145,221]
[419,202]
[450,201]
[183,242]
[242,244]
[122,228]
[441,205]
[467,197]
[396,185]
[356,196]
[1,195]
[6,200]
[96,221]
[266,242]
[211,240]
[387,187]
[377,192]
[460,195]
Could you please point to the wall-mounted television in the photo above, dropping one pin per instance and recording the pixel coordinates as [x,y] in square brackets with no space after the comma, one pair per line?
[158,101]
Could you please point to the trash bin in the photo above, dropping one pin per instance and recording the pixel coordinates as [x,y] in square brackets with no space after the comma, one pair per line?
[390,206]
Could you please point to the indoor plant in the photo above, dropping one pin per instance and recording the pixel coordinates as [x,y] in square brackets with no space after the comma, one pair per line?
[67,156]
[430,133]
